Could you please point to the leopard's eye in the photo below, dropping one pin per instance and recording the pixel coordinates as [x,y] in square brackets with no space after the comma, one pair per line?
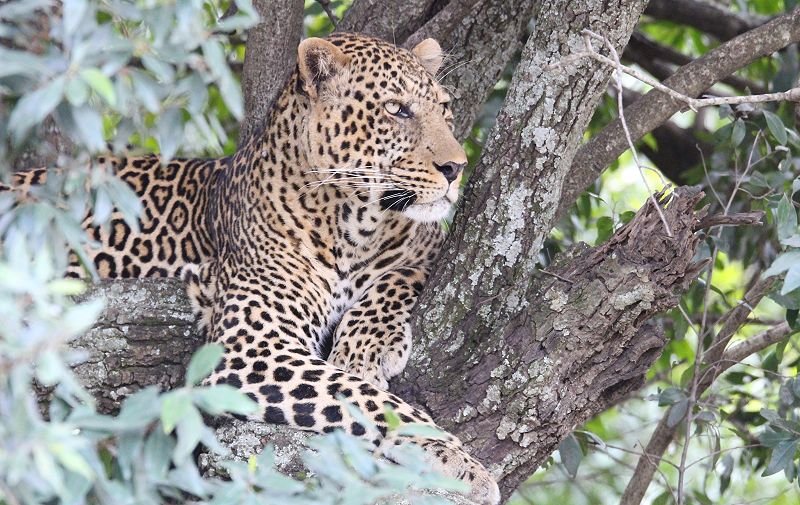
[397,109]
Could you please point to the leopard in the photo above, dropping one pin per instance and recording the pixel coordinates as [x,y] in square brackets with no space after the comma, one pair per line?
[304,252]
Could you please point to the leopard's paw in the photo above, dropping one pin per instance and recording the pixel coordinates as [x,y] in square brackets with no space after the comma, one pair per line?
[450,459]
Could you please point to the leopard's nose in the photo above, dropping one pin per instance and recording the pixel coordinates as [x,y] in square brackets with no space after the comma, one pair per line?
[450,169]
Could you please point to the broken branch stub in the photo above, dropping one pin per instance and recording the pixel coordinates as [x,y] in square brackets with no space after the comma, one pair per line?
[580,344]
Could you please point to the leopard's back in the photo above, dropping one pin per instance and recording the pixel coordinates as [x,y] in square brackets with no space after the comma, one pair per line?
[172,223]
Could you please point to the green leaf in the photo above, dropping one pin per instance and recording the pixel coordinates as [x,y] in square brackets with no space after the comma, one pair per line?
[175,406]
[421,430]
[739,130]
[74,12]
[776,127]
[157,451]
[90,128]
[782,263]
[725,471]
[571,454]
[77,92]
[786,220]
[782,456]
[190,428]
[392,419]
[664,498]
[203,363]
[791,319]
[605,228]
[670,396]
[169,133]
[626,216]
[792,280]
[773,417]
[34,107]
[101,84]
[677,412]
[222,399]
[72,460]
[66,287]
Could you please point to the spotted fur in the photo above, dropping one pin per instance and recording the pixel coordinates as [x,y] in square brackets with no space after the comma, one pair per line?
[305,252]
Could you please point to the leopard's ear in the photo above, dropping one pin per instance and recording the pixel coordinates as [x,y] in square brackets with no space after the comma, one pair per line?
[429,53]
[319,60]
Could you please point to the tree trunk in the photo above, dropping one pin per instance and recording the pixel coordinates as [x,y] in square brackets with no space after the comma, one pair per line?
[270,57]
[507,357]
[579,341]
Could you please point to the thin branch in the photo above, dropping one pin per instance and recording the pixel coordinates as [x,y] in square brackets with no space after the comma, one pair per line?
[654,108]
[792,95]
[754,344]
[326,6]
[744,218]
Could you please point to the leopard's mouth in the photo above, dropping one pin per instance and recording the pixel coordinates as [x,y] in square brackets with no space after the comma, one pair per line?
[405,201]
[397,199]
[430,212]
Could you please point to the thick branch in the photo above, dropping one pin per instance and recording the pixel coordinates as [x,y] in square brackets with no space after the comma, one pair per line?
[478,296]
[392,21]
[705,16]
[270,56]
[655,107]
[581,343]
[654,58]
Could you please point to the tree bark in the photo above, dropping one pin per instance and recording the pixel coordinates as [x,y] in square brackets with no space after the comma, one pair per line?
[270,57]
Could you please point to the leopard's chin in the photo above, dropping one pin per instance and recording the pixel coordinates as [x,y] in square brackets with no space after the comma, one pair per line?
[430,212]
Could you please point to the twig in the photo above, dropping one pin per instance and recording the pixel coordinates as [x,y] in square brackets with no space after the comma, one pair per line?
[649,54]
[552,274]
[744,218]
[620,107]
[792,95]
[326,6]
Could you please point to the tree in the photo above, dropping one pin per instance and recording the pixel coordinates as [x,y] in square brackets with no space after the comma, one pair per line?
[514,352]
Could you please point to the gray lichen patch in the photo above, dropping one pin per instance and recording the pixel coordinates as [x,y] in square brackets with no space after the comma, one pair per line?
[247,438]
[641,293]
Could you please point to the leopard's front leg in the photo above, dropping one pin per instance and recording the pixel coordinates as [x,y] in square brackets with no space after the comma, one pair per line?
[269,357]
[373,339]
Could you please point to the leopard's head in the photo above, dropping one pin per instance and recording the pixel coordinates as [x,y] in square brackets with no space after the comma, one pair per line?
[379,124]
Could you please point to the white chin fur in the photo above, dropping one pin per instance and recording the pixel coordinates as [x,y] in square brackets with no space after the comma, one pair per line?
[429,212]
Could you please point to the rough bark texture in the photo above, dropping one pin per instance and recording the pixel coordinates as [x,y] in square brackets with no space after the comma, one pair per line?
[654,108]
[270,56]
[396,21]
[580,344]
[145,336]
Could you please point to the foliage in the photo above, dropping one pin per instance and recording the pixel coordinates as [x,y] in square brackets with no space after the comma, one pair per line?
[139,75]
[744,431]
